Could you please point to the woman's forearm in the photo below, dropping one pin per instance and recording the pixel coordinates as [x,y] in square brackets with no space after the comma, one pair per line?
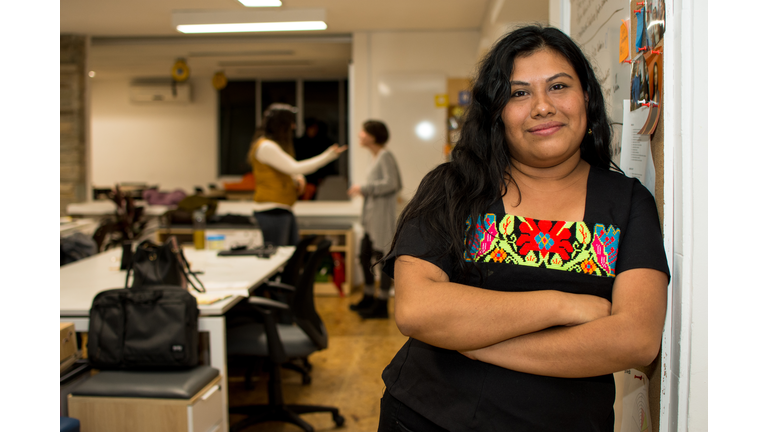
[596,348]
[460,317]
[630,337]
[271,154]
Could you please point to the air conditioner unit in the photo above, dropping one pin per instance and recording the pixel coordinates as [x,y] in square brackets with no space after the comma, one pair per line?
[161,92]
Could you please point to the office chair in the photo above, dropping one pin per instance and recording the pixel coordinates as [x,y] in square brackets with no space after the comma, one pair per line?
[279,343]
[280,288]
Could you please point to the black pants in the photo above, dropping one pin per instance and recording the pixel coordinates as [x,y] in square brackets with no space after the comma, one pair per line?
[278,226]
[368,257]
[397,417]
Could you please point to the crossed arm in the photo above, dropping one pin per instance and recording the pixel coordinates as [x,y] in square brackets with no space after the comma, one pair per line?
[548,333]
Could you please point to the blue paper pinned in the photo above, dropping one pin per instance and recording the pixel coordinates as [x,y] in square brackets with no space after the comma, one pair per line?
[641,39]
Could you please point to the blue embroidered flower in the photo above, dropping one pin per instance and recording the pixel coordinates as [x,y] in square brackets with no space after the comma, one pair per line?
[544,241]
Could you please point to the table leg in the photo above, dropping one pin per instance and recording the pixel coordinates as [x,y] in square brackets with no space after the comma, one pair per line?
[217,329]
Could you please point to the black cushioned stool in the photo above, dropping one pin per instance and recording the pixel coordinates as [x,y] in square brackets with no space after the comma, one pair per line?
[167,401]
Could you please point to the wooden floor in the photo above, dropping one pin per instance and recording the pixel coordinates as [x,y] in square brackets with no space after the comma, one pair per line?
[347,375]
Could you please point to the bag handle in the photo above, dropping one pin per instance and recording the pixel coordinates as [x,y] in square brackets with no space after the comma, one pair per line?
[185,270]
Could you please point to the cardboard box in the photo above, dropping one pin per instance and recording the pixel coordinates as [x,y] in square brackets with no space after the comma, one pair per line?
[68,341]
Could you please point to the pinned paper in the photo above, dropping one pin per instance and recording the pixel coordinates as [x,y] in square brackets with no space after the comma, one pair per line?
[464,97]
[636,159]
[624,41]
[641,37]
[441,101]
[632,408]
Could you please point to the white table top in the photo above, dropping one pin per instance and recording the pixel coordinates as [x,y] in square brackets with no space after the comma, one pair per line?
[107,207]
[351,208]
[81,280]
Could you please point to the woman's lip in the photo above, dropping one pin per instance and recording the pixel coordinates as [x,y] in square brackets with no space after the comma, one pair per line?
[546,129]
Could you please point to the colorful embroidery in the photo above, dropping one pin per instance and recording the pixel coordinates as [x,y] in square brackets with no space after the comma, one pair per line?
[559,245]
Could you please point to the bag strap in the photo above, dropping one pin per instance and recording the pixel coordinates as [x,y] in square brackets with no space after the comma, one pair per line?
[128,272]
[185,270]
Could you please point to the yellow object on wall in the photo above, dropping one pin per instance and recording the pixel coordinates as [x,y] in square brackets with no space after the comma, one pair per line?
[441,101]
[180,71]
[219,80]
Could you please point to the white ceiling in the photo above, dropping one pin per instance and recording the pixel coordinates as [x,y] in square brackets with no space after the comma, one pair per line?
[135,38]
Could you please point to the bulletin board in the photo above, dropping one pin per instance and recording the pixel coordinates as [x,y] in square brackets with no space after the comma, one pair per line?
[596,25]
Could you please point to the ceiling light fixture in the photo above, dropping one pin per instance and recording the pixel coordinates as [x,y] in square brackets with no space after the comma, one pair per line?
[249,21]
[261,3]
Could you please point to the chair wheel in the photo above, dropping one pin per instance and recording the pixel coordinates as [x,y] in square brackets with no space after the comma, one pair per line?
[306,379]
[339,420]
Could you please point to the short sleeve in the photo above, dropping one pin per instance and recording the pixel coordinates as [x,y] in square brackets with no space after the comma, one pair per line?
[414,240]
[641,242]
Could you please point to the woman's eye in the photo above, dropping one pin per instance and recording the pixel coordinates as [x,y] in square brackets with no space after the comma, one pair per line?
[518,93]
[559,86]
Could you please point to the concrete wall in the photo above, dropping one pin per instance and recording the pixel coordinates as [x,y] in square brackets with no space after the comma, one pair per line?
[73,122]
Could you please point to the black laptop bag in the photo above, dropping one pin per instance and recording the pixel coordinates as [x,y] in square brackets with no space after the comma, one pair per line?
[152,327]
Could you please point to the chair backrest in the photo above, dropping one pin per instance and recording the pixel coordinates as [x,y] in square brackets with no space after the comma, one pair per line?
[293,268]
[303,305]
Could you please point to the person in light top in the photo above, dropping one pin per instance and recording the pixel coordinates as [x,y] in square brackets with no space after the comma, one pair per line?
[278,176]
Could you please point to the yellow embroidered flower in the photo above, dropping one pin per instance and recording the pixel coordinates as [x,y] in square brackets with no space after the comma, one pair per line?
[498,255]
[588,266]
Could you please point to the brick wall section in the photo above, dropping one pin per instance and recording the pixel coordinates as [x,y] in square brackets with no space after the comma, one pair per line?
[72,123]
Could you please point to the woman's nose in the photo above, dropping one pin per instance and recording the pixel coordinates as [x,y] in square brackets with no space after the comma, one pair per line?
[542,106]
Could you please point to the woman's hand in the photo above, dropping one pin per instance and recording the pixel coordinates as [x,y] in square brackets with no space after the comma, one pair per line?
[301,183]
[337,149]
[354,191]
[584,308]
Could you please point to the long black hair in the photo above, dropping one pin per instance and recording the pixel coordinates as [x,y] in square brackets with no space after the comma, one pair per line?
[277,126]
[478,171]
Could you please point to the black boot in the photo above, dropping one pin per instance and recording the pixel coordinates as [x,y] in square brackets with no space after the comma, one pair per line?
[378,310]
[364,304]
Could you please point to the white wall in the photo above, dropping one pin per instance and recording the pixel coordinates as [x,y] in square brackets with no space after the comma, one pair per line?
[684,382]
[175,146]
[383,63]
[170,145]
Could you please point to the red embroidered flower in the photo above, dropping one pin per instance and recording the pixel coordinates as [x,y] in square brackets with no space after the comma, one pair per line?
[588,266]
[498,255]
[545,238]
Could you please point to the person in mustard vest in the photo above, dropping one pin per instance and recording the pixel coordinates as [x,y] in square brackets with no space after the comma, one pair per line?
[278,176]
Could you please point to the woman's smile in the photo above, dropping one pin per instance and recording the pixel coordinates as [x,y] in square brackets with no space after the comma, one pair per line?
[546,129]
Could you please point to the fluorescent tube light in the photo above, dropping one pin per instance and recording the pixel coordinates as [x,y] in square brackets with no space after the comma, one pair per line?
[252,27]
[261,3]
[249,21]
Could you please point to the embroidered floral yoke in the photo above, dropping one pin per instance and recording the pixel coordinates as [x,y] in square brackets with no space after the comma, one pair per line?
[620,231]
[559,245]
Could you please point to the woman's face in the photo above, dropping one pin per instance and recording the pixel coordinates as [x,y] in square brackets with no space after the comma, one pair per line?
[366,139]
[546,117]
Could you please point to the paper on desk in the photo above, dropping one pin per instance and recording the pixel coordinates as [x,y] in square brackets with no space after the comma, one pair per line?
[636,159]
[239,288]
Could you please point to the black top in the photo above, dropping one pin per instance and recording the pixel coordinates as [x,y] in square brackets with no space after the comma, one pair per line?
[620,231]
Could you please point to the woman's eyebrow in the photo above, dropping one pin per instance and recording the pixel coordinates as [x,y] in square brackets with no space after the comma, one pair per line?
[550,79]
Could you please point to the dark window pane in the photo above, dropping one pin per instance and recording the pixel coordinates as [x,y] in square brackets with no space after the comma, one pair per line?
[237,123]
[277,91]
[321,102]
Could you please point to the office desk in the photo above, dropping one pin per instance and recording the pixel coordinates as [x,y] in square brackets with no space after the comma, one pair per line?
[338,221]
[82,280]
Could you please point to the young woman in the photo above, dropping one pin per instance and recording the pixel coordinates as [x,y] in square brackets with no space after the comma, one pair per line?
[278,176]
[526,271]
[379,213]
